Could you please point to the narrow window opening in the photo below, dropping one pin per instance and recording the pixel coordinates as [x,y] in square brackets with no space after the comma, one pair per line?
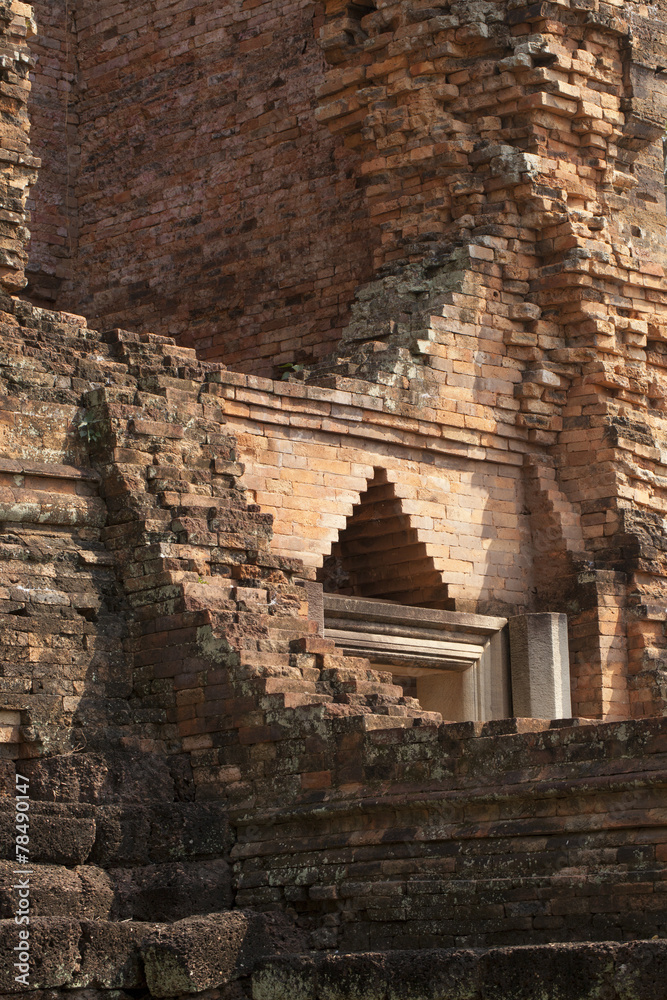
[378,554]
[385,600]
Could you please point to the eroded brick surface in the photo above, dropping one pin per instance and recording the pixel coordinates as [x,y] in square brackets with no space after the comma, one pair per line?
[206,725]
[453,218]
[503,168]
[169,172]
[18,163]
[55,140]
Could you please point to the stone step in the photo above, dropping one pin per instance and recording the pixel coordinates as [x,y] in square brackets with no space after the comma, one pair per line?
[295,699]
[312,644]
[311,674]
[370,722]
[364,688]
[430,718]
[283,623]
[209,593]
[351,664]
[186,502]
[290,685]
[256,675]
[257,658]
[345,675]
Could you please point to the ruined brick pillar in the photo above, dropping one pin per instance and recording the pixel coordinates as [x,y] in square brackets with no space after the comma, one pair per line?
[18,168]
[512,161]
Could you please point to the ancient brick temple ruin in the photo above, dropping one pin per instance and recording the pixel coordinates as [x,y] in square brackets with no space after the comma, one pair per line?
[333,461]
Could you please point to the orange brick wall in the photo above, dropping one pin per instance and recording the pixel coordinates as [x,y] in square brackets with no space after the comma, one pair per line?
[511,308]
[55,139]
[309,453]
[18,167]
[510,396]
[211,203]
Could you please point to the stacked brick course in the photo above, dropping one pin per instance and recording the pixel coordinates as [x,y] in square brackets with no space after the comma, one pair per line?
[153,649]
[222,693]
[54,116]
[211,779]
[571,291]
[172,520]
[514,316]
[206,168]
[18,165]
[310,453]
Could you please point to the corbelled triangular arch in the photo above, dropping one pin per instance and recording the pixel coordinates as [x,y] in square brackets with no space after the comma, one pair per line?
[378,553]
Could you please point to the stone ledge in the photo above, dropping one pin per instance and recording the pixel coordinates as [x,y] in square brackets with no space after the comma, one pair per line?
[187,956]
[635,970]
[49,470]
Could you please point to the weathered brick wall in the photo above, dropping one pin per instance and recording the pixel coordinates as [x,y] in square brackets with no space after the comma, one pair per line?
[61,609]
[140,589]
[223,694]
[53,112]
[209,198]
[80,562]
[462,835]
[146,613]
[310,451]
[18,165]
[517,291]
[567,972]
[547,161]
[150,643]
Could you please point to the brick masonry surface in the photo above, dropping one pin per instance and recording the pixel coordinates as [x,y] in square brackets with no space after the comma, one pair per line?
[170,688]
[484,297]
[448,223]
[55,140]
[205,168]
[18,170]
